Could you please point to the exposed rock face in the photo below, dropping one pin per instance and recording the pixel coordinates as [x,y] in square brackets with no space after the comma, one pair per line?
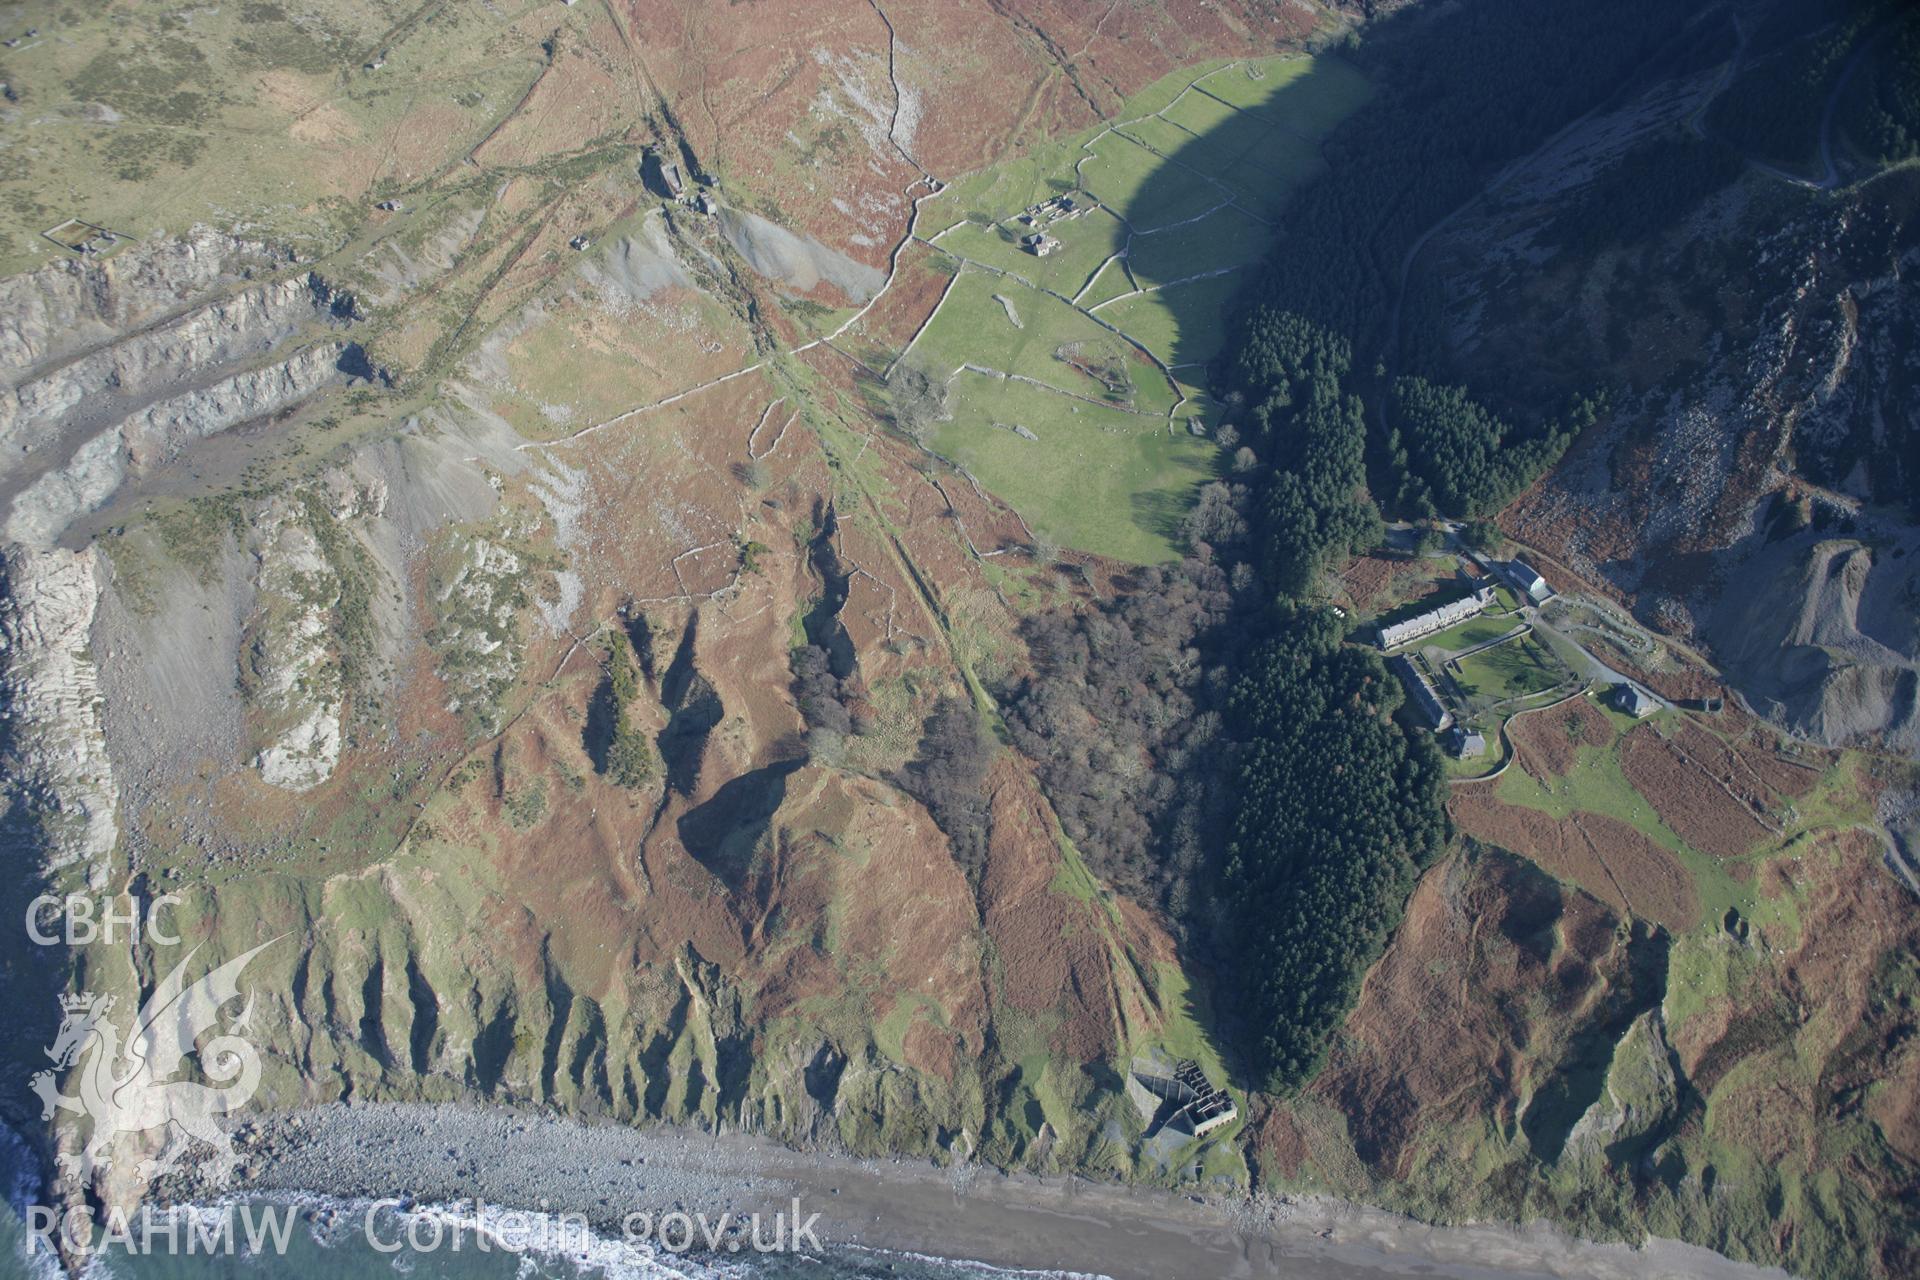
[127,372]
[1825,640]
[295,675]
[113,367]
[52,752]
[1791,431]
[290,661]
[1763,408]
[275,638]
[157,434]
[637,267]
[70,305]
[799,262]
[478,639]
[109,370]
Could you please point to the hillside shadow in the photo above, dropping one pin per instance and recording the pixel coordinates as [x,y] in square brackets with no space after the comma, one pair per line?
[1199,227]
[596,735]
[723,832]
[693,709]
[1253,159]
[1163,512]
[1580,1077]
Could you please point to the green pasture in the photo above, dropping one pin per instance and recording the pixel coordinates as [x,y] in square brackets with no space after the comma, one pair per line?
[1188,180]
[1105,481]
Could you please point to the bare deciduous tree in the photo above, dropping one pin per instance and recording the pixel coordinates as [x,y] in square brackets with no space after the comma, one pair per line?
[919,400]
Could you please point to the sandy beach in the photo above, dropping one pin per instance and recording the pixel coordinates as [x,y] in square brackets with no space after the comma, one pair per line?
[525,1160]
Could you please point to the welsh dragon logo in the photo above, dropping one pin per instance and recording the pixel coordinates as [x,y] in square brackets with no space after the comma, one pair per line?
[127,1086]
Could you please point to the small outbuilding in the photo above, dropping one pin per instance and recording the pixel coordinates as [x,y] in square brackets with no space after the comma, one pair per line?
[1467,744]
[1634,700]
[83,238]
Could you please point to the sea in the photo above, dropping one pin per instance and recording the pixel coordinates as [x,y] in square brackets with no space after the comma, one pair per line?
[314,1237]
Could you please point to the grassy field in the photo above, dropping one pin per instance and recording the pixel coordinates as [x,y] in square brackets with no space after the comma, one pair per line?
[1064,272]
[1182,188]
[1126,176]
[1228,237]
[974,329]
[1184,325]
[1509,677]
[1273,87]
[1597,784]
[1129,477]
[1112,282]
[1514,669]
[1473,632]
[148,119]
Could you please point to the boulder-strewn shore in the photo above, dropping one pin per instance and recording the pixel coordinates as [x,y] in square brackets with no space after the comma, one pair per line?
[448,1154]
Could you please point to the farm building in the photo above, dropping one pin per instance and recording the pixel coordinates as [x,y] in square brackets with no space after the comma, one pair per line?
[1039,245]
[1060,207]
[1634,700]
[1467,745]
[1421,690]
[1439,619]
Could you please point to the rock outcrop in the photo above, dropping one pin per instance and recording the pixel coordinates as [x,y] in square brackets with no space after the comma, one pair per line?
[157,434]
[71,305]
[111,368]
[126,374]
[1761,408]
[294,676]
[58,797]
[291,663]
[478,641]
[1827,642]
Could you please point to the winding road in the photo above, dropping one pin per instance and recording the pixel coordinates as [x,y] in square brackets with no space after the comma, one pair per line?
[1829,172]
